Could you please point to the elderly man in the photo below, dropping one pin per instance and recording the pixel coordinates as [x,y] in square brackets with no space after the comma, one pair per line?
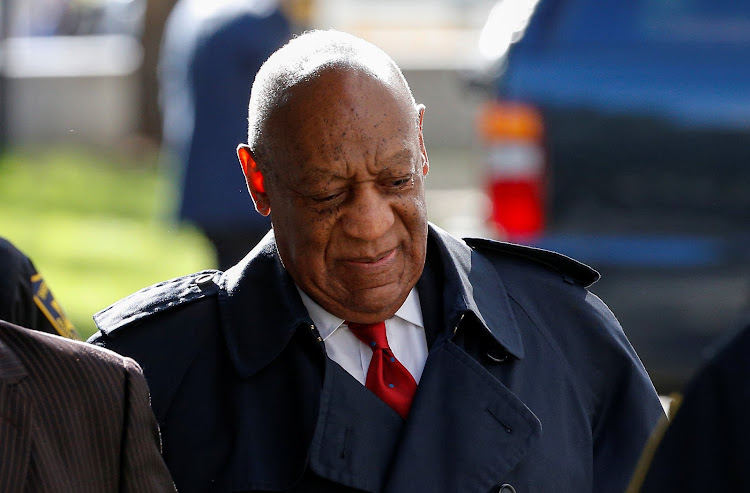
[360,348]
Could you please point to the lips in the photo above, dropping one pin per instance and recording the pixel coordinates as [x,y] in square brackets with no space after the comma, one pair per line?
[379,260]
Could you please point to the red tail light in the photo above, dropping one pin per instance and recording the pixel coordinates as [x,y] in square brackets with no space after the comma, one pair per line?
[515,166]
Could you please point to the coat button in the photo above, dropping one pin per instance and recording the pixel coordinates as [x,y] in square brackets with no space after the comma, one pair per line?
[497,354]
[506,488]
[204,279]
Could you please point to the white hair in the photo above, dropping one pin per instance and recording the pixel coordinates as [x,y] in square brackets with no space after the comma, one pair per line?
[303,59]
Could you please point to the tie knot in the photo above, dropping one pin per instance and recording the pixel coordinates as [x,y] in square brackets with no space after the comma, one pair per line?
[371,334]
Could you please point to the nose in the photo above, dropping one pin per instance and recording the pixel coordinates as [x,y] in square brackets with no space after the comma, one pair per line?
[368,215]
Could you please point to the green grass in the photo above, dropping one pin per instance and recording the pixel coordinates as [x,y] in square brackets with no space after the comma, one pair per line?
[95,226]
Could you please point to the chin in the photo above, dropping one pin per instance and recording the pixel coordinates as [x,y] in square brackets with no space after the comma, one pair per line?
[382,301]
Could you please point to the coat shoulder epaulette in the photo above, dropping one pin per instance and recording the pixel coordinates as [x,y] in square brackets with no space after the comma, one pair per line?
[572,270]
[158,298]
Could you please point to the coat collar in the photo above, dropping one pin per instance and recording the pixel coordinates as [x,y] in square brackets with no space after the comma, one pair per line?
[261,308]
[472,285]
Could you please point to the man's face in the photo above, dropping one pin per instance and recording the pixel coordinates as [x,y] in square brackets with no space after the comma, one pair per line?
[347,194]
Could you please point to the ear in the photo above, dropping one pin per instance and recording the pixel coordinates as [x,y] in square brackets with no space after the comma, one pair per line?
[425,159]
[254,179]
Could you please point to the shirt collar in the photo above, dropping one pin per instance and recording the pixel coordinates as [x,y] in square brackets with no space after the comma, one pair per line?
[327,323]
[469,281]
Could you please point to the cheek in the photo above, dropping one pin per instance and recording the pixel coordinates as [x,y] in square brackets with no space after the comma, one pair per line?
[413,212]
[312,233]
[299,221]
[416,223]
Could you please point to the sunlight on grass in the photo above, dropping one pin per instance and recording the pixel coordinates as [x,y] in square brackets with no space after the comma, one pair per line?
[95,227]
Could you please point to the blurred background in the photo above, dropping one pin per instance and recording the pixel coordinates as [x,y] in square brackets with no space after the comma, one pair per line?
[614,132]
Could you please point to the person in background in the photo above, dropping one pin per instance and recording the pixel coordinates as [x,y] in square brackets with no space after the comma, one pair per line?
[25,298]
[358,347]
[74,417]
[706,445]
[204,116]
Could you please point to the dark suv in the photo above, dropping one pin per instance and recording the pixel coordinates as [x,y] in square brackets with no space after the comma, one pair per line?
[644,108]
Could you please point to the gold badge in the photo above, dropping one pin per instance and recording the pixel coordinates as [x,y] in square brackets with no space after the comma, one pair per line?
[51,308]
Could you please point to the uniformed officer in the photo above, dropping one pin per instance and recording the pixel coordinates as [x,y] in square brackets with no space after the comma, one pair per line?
[25,298]
[706,445]
[358,347]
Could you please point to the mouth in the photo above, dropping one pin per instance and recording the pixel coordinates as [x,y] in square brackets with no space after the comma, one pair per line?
[371,262]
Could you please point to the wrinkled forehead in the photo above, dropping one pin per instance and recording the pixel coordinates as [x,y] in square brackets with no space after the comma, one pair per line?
[332,94]
[343,116]
[294,73]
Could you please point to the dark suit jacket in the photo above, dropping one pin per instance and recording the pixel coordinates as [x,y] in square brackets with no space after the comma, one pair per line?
[529,381]
[706,447]
[74,418]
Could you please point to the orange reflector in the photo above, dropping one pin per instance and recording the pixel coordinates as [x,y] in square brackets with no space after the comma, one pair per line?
[510,120]
[515,168]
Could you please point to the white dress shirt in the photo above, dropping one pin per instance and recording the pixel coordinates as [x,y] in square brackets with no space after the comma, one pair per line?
[405,332]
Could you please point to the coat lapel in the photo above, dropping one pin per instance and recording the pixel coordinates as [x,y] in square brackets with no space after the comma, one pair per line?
[356,435]
[466,430]
[464,424]
[15,423]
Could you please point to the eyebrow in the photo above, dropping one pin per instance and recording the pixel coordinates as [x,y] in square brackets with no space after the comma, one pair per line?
[400,157]
[403,156]
[323,173]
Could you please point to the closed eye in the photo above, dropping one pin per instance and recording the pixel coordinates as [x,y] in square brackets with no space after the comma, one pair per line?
[400,183]
[327,198]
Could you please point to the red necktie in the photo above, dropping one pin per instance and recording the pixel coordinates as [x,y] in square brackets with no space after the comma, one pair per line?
[387,377]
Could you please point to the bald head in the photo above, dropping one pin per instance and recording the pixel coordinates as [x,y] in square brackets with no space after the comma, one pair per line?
[302,62]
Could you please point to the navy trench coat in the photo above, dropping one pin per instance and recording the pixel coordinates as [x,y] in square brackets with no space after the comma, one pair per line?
[529,382]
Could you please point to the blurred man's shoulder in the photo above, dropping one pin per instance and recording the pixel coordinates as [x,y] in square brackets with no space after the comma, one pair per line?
[15,271]
[43,352]
[9,251]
